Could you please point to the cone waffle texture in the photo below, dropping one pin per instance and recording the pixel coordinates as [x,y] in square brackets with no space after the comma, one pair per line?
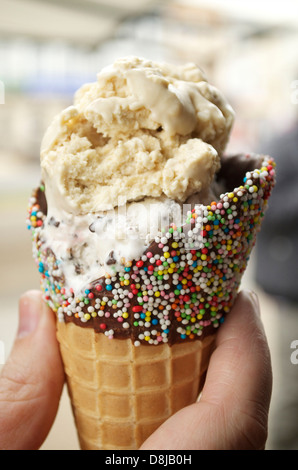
[121,393]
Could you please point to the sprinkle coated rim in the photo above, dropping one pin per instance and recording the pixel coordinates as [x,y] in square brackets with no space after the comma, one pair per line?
[185,282]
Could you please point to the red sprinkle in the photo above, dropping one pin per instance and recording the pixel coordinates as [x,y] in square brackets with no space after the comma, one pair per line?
[102,326]
[137,308]
[139,263]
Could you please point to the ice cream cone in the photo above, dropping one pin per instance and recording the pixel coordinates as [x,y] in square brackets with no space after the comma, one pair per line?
[138,299]
[121,393]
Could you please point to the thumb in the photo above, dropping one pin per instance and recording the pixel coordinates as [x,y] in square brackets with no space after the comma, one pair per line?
[31,381]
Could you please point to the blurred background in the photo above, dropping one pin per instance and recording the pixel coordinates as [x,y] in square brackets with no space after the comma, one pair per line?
[48,48]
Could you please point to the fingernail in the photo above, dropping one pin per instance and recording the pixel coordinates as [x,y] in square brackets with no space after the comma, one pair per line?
[254,297]
[29,313]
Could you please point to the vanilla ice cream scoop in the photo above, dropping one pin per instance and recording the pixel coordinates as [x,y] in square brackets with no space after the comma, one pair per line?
[143,129]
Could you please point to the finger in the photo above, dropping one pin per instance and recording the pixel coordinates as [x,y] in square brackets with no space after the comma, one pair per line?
[233,410]
[32,379]
[239,379]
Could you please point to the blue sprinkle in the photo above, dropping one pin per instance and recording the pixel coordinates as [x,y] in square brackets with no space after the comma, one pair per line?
[154,321]
[182,336]
[176,258]
[109,287]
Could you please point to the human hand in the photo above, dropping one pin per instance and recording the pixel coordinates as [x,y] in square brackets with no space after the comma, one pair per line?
[232,412]
[32,379]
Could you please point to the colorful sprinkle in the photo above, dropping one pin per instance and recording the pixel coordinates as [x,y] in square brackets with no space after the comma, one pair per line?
[180,288]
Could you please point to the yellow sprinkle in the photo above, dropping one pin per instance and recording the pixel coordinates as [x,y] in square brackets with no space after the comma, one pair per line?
[125,315]
[157,293]
[94,314]
[170,270]
[126,282]
[87,316]
[166,254]
[147,338]
[231,195]
[184,281]
[175,245]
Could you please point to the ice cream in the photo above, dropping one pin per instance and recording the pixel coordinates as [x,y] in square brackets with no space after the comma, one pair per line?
[142,229]
[119,164]
[142,130]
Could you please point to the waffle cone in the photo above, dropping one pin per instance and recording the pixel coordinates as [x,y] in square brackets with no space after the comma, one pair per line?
[121,393]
